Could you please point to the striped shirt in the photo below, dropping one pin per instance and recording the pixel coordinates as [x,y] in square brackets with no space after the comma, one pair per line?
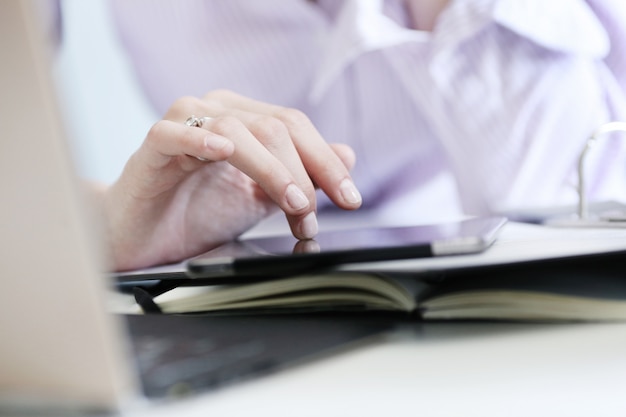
[487,112]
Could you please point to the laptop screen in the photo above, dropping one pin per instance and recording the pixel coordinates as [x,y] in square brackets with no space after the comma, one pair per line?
[59,346]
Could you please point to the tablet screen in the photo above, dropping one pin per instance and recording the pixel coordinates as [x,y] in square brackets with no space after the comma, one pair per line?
[287,255]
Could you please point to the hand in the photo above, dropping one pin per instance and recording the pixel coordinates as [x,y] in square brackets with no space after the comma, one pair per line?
[169,205]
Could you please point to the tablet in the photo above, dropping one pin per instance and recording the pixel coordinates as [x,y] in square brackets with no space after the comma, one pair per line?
[285,255]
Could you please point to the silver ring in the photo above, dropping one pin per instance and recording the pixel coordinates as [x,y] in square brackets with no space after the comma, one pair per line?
[194,121]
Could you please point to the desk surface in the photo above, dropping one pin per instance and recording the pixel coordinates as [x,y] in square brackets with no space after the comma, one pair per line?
[444,369]
[452,369]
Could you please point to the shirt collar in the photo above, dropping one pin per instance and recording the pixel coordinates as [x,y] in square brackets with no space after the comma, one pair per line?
[360,27]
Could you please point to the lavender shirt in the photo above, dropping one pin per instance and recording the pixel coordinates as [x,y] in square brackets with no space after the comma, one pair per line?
[488,112]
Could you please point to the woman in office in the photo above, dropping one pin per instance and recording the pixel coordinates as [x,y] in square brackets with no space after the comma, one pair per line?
[473,106]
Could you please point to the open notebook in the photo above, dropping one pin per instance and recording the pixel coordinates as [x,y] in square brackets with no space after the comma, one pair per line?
[60,347]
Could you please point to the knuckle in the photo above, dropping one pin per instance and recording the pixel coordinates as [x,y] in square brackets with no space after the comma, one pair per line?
[292,117]
[268,173]
[161,136]
[269,130]
[156,132]
[225,125]
[184,107]
[219,94]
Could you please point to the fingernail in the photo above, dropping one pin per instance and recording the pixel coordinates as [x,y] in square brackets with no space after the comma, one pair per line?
[308,226]
[349,192]
[296,198]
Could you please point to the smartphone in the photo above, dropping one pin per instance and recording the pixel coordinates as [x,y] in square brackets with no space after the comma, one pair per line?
[285,255]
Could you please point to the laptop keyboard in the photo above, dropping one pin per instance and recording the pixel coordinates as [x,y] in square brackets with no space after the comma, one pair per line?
[178,355]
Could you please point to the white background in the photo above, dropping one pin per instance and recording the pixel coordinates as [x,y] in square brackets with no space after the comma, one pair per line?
[107,116]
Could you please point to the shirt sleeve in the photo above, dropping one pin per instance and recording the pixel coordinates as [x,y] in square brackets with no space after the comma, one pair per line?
[612,14]
[517,89]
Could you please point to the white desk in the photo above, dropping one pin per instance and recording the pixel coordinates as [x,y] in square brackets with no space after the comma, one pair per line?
[444,369]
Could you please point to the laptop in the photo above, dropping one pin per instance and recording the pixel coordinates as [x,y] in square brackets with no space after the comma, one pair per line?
[61,349]
[53,343]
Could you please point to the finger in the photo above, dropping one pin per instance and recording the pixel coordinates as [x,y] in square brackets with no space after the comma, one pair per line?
[271,173]
[345,154]
[325,167]
[186,107]
[306,246]
[274,173]
[273,135]
[167,139]
[322,164]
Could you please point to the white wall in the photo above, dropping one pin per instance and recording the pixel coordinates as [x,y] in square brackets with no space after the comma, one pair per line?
[107,116]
